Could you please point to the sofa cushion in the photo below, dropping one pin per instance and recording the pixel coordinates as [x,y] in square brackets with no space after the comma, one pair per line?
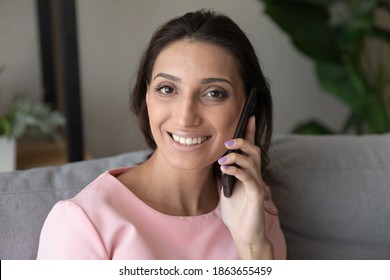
[333,193]
[26,197]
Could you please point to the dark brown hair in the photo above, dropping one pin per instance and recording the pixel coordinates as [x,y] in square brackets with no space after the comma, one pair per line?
[209,27]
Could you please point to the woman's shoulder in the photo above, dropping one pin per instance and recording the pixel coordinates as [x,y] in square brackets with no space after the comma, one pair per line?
[98,203]
[105,184]
[103,193]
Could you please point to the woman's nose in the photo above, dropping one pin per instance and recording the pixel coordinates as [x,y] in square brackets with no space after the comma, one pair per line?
[187,112]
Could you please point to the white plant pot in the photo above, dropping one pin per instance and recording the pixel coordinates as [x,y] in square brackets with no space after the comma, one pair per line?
[7,154]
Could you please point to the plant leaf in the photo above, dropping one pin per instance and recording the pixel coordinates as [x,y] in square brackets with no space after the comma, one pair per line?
[308,26]
[5,127]
[335,79]
[374,114]
[34,119]
[381,33]
[312,127]
[384,4]
[359,24]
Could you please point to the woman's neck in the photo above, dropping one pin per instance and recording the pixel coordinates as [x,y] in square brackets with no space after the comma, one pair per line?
[172,190]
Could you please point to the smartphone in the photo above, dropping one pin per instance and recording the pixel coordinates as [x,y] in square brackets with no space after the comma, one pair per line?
[228,181]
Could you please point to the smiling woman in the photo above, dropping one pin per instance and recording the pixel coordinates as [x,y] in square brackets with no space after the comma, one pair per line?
[192,85]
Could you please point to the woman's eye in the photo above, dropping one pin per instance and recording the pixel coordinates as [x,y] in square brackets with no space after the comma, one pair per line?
[165,89]
[217,94]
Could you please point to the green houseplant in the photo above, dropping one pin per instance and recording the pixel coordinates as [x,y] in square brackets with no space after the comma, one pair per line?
[351,53]
[26,119]
[30,119]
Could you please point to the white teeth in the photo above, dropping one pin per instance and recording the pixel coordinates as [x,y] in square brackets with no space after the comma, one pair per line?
[189,141]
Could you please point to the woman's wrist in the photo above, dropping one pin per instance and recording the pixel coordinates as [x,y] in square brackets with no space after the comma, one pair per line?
[262,250]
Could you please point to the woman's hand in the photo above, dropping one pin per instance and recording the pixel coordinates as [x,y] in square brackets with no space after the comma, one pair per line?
[243,212]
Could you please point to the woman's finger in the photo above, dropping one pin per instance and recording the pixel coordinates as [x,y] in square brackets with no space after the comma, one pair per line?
[245,147]
[243,161]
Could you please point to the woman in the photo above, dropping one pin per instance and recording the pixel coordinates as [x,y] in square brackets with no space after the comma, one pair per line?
[192,84]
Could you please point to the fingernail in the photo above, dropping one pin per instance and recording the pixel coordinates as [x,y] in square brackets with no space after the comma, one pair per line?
[229,143]
[222,159]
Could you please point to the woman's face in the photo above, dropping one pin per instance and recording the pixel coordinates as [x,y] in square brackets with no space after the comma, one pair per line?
[194,101]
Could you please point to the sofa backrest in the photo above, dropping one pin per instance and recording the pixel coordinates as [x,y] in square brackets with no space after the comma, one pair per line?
[333,194]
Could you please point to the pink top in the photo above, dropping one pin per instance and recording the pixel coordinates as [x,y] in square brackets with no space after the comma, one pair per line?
[107,221]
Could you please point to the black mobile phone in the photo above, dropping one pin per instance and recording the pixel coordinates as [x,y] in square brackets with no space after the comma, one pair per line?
[228,181]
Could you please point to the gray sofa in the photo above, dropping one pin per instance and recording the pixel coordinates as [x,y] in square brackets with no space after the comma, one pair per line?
[333,193]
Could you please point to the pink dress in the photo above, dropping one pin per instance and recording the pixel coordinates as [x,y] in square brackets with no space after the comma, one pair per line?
[107,221]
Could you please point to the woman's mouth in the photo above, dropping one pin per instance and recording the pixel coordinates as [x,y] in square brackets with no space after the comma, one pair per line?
[189,141]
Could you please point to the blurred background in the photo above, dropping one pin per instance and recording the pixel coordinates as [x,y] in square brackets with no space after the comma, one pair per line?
[111,36]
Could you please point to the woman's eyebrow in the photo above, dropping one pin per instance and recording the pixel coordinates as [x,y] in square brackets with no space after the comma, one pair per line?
[213,80]
[202,81]
[168,76]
